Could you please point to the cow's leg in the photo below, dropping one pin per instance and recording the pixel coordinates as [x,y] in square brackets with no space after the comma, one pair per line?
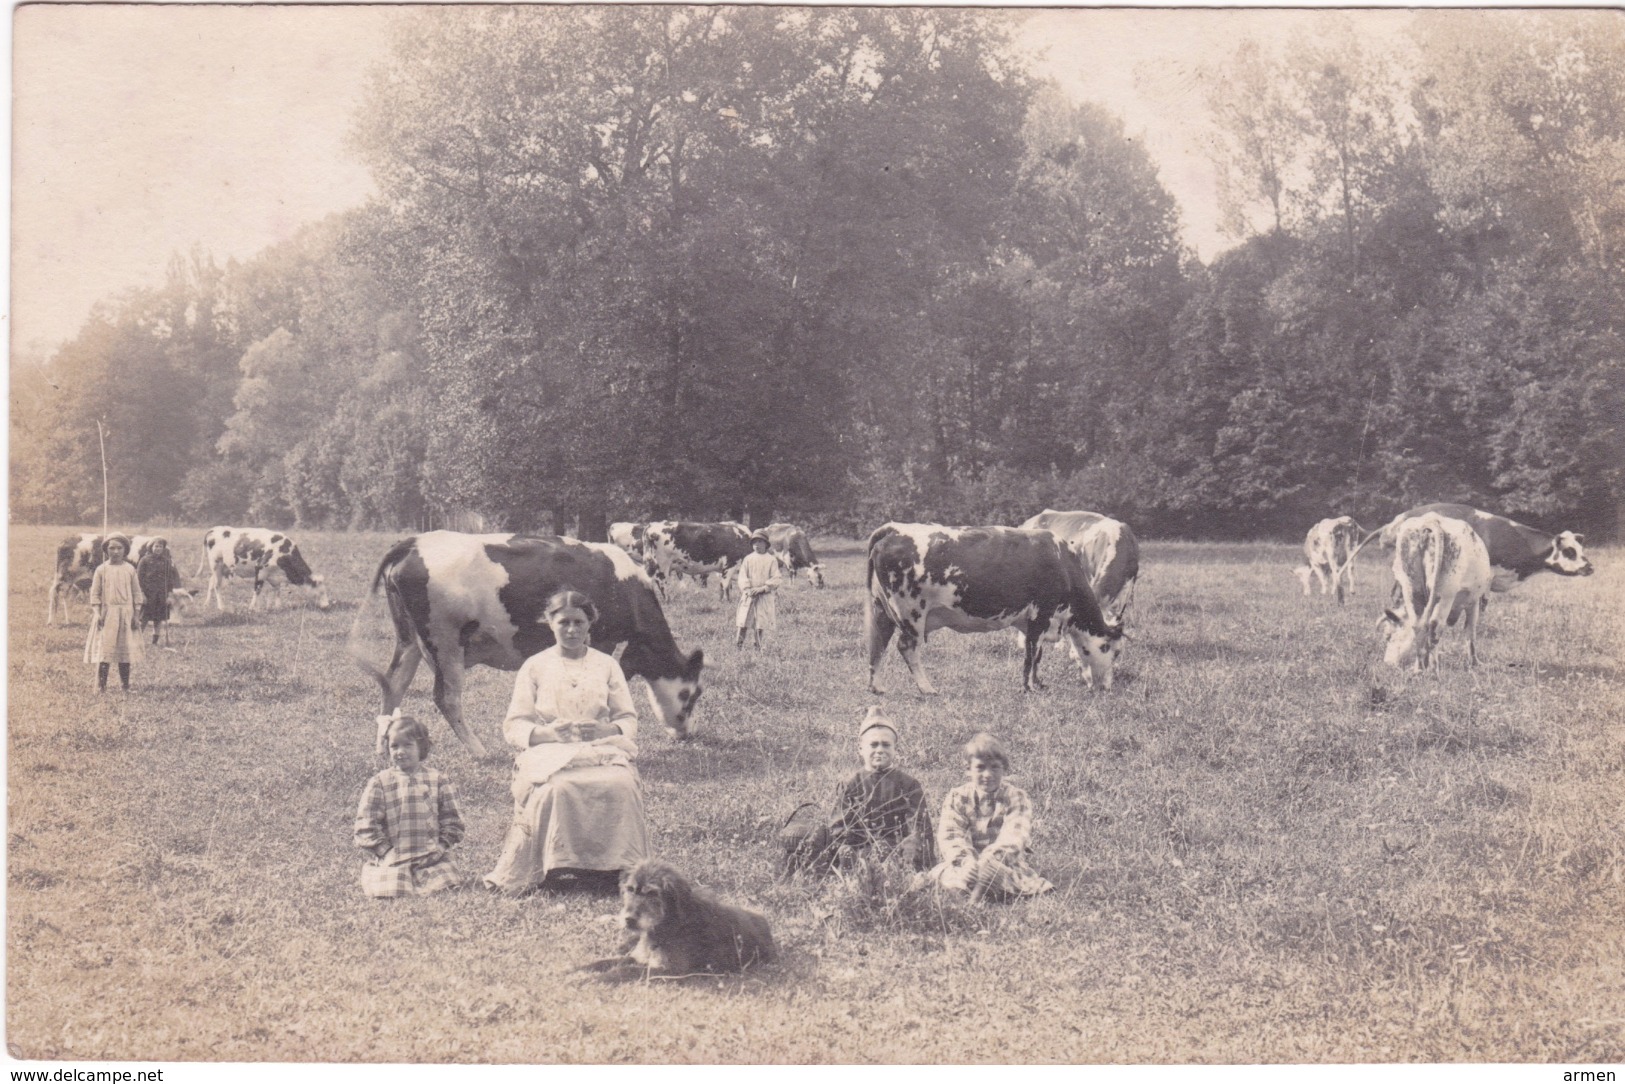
[1472,630]
[448,697]
[910,635]
[259,582]
[214,589]
[881,628]
[1034,655]
[1320,578]
[50,603]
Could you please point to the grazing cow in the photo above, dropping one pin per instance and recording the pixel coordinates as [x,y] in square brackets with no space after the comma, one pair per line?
[76,561]
[1329,548]
[628,536]
[1442,569]
[789,544]
[1109,550]
[923,576]
[1516,551]
[462,600]
[697,549]
[258,552]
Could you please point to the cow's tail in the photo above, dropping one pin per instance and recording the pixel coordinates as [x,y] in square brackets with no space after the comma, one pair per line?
[403,632]
[203,565]
[871,602]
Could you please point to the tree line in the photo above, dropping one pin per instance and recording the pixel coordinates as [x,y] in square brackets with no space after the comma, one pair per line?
[846,265]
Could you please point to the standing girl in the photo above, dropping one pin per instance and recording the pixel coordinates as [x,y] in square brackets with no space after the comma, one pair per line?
[758,579]
[115,592]
[158,576]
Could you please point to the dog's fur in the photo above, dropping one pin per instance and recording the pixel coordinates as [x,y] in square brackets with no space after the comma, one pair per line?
[677,929]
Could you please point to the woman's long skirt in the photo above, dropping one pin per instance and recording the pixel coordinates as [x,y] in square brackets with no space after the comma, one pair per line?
[581,818]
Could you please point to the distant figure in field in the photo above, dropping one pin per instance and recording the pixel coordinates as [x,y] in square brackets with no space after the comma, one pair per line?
[158,576]
[408,820]
[758,580]
[985,833]
[115,631]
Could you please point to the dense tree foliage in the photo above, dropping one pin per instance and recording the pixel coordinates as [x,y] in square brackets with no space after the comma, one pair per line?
[853,264]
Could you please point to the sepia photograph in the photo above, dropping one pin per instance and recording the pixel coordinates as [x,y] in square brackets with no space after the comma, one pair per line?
[619,534]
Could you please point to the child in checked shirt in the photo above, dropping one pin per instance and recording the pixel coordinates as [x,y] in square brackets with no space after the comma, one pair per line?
[985,832]
[408,820]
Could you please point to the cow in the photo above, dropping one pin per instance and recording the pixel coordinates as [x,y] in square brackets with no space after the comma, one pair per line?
[258,552]
[1442,569]
[628,536]
[789,544]
[1329,549]
[1516,551]
[76,560]
[924,576]
[461,600]
[1109,550]
[697,549]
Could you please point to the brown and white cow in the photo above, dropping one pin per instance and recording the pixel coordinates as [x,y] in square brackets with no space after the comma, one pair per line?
[461,600]
[1329,549]
[695,549]
[1516,551]
[924,576]
[628,536]
[264,554]
[76,560]
[788,543]
[1109,550]
[1442,570]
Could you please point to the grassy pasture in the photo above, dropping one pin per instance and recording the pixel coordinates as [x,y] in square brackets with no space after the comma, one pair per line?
[1267,846]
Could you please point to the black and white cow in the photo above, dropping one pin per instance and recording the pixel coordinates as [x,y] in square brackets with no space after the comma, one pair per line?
[1442,572]
[628,536]
[695,549]
[789,544]
[1516,551]
[76,561]
[461,600]
[924,576]
[1329,549]
[264,554]
[1109,550]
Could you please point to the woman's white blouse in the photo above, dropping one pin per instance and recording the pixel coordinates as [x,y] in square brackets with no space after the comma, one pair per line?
[550,688]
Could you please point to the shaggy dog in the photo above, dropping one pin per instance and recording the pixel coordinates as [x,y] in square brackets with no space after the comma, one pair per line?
[676,929]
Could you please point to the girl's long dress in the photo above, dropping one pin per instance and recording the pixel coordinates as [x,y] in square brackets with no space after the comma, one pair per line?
[409,821]
[586,818]
[118,591]
[758,611]
[157,576]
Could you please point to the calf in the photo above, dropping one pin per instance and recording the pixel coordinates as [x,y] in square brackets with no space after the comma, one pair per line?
[264,554]
[1442,570]
[1329,549]
[924,576]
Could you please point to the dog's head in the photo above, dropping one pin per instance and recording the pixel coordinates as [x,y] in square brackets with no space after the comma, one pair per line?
[653,893]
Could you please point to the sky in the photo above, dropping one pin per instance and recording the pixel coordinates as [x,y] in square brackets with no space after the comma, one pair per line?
[139,131]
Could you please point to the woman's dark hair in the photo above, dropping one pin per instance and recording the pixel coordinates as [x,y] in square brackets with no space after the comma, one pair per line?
[413,729]
[985,747]
[567,598]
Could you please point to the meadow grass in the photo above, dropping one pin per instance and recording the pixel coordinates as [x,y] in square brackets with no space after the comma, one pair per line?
[1267,846]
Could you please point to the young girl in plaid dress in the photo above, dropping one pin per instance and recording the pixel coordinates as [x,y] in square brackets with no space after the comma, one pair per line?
[985,833]
[408,820]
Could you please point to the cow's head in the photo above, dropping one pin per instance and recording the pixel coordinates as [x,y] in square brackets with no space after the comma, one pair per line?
[674,697]
[1408,645]
[1566,557]
[319,586]
[1099,651]
[817,574]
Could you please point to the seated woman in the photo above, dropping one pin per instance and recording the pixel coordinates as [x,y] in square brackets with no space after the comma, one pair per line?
[577,803]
